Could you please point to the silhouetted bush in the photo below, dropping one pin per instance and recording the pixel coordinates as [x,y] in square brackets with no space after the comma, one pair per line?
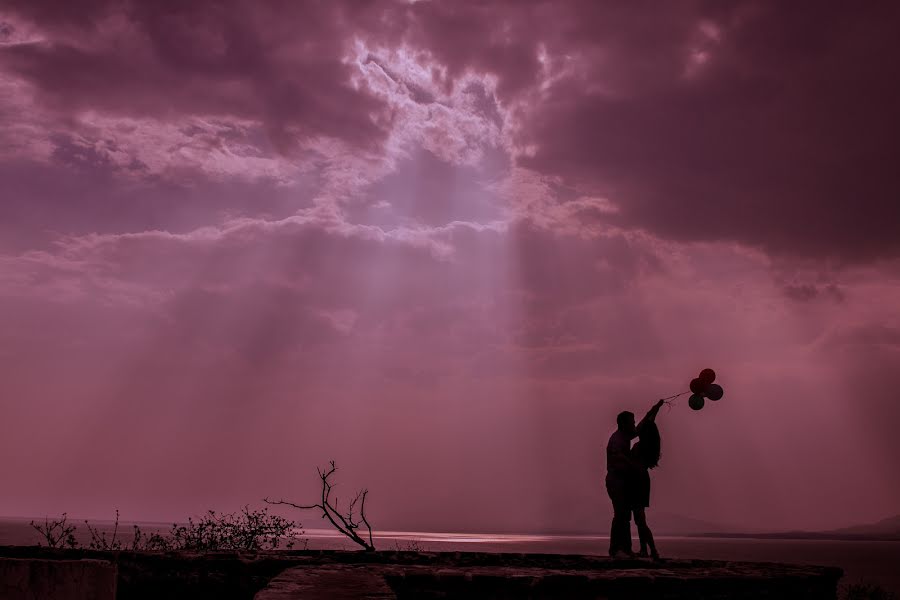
[154,542]
[57,533]
[98,538]
[409,546]
[247,530]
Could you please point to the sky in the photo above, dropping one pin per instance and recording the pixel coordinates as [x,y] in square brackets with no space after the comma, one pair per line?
[444,244]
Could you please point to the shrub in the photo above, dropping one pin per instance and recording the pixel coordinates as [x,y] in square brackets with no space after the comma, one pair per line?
[98,538]
[154,542]
[247,530]
[57,533]
[409,546]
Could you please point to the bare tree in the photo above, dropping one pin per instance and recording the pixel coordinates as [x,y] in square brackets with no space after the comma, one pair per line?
[346,523]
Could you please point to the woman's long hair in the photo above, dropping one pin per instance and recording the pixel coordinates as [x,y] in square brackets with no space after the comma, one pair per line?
[649,445]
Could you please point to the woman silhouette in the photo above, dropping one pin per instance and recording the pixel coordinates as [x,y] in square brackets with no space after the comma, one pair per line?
[645,453]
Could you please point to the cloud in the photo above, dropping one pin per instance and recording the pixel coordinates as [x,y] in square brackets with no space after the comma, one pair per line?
[805,292]
[730,125]
[698,122]
[781,141]
[155,89]
[208,61]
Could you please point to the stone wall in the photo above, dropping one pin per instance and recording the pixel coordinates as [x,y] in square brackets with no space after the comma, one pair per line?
[43,579]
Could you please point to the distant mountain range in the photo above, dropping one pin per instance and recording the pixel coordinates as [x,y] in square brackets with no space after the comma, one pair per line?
[890,526]
[885,529]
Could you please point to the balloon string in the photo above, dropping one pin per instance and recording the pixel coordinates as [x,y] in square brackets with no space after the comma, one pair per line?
[669,402]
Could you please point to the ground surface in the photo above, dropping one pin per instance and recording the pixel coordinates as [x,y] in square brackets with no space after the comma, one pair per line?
[380,575]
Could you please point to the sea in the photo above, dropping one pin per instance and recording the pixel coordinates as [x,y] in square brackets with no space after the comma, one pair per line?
[868,562]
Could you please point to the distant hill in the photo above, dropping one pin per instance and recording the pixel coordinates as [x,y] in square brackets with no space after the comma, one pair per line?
[886,529]
[889,526]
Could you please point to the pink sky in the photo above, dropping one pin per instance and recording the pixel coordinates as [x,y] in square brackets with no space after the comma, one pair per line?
[444,243]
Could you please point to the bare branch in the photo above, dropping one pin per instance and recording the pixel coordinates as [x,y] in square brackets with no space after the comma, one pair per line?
[267,501]
[344,523]
[362,512]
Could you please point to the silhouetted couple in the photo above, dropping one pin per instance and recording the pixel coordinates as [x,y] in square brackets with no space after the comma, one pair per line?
[628,480]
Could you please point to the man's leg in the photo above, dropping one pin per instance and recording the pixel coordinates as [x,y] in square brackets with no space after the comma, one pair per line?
[614,536]
[620,531]
[622,521]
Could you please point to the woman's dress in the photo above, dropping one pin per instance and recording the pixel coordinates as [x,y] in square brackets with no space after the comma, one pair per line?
[639,482]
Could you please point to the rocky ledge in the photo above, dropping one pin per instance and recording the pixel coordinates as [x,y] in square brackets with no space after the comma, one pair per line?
[336,575]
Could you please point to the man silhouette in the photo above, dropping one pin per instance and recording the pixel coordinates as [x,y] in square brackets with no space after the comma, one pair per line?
[619,468]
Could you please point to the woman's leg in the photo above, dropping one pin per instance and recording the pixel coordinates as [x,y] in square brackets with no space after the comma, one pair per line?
[640,520]
[646,536]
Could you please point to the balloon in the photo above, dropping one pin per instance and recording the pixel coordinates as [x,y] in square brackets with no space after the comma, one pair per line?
[707,376]
[714,391]
[698,386]
[696,401]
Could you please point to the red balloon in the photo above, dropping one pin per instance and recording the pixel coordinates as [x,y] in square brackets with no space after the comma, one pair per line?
[707,376]
[696,401]
[698,386]
[714,391]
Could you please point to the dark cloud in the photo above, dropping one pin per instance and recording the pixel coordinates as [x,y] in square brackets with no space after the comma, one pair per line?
[486,37]
[785,138]
[771,126]
[280,64]
[60,13]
